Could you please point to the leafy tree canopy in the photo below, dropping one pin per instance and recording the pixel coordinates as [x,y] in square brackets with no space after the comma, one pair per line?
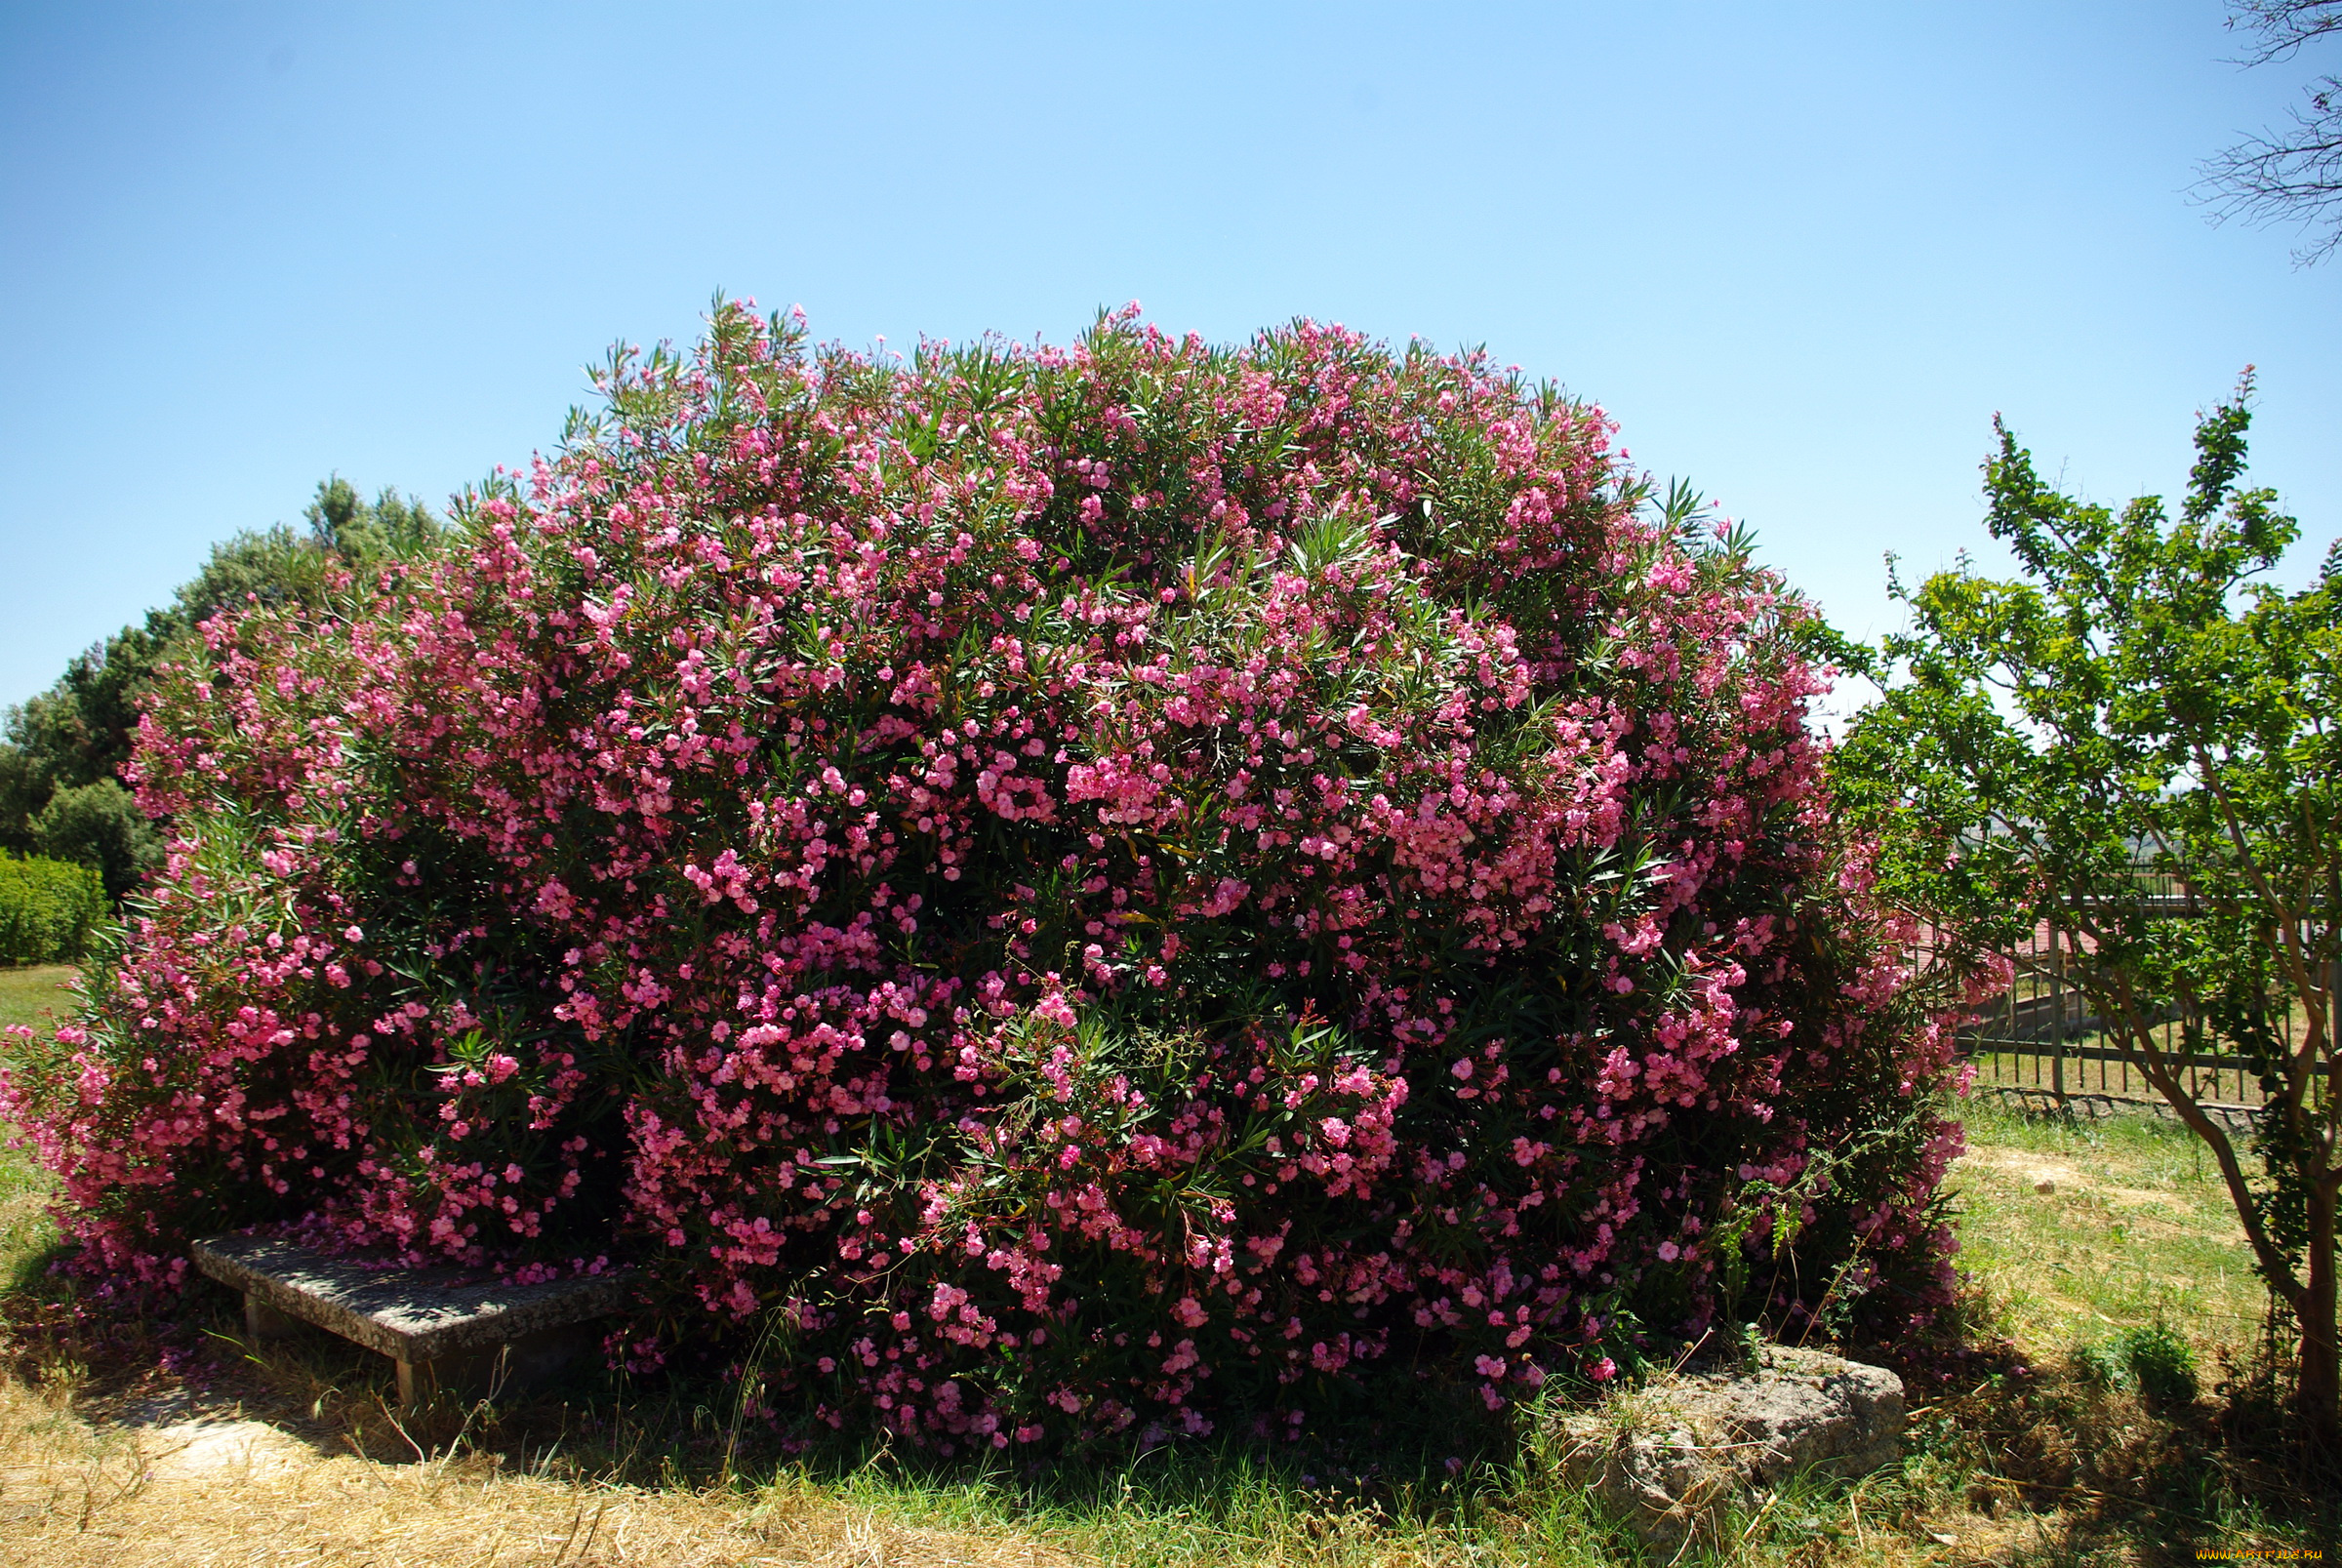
[77,734]
[2141,691]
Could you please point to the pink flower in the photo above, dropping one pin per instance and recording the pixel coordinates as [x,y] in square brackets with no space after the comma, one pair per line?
[1004,937]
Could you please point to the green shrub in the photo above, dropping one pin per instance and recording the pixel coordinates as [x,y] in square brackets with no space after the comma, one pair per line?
[48,909]
[1136,888]
[2158,1361]
[2099,1365]
[99,826]
[2150,1357]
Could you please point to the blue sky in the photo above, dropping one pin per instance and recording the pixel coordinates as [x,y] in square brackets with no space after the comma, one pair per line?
[1800,252]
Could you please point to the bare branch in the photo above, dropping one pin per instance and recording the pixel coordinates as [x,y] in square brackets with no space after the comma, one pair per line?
[2283,26]
[2292,174]
[2294,177]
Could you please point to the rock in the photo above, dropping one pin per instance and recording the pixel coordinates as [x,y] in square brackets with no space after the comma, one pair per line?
[1673,1458]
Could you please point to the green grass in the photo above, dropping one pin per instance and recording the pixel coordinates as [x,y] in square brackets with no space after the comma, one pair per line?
[1205,1511]
[36,997]
[2137,1230]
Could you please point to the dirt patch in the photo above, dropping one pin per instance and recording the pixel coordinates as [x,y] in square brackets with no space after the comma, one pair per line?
[210,1446]
[2031,1169]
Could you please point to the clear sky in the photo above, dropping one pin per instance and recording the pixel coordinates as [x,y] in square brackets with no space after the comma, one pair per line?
[1800,252]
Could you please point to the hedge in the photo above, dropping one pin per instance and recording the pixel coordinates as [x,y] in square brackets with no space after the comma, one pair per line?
[49,909]
[1036,894]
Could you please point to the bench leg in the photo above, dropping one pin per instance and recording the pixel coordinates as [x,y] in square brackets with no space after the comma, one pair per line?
[492,1373]
[262,1321]
[464,1376]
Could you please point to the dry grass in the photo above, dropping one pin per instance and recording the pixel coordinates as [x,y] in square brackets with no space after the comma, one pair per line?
[293,1459]
[2079,1230]
[220,1489]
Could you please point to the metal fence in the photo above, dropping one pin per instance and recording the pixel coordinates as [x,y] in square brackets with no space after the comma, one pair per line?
[2040,1038]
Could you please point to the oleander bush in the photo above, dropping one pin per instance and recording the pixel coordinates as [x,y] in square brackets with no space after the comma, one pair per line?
[49,909]
[1035,894]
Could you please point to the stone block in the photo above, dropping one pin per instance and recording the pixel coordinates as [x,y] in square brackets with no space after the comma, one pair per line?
[446,1328]
[1674,1458]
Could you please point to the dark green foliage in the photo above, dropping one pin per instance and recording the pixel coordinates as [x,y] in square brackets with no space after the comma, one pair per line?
[2160,1362]
[2151,1358]
[23,791]
[78,731]
[77,735]
[362,533]
[99,826]
[48,909]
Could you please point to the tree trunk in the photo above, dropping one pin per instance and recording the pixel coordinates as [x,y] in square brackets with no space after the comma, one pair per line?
[2319,1394]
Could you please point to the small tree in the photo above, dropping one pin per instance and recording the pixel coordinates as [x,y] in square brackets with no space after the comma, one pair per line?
[2142,692]
[99,826]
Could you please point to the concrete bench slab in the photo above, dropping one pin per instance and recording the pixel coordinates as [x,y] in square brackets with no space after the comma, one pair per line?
[445,1327]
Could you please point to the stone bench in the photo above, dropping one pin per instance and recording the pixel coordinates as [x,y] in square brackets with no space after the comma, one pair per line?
[445,1327]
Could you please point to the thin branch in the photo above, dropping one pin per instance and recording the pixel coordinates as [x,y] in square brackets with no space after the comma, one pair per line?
[2293,175]
[2283,26]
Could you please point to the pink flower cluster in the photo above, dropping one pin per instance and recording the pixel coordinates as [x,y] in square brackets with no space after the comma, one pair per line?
[1072,891]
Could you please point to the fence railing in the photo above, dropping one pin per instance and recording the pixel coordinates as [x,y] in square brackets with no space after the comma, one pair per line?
[2040,1037]
[2050,1043]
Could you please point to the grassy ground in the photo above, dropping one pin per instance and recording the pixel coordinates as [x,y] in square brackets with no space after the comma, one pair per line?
[32,996]
[2134,1229]
[2065,1442]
